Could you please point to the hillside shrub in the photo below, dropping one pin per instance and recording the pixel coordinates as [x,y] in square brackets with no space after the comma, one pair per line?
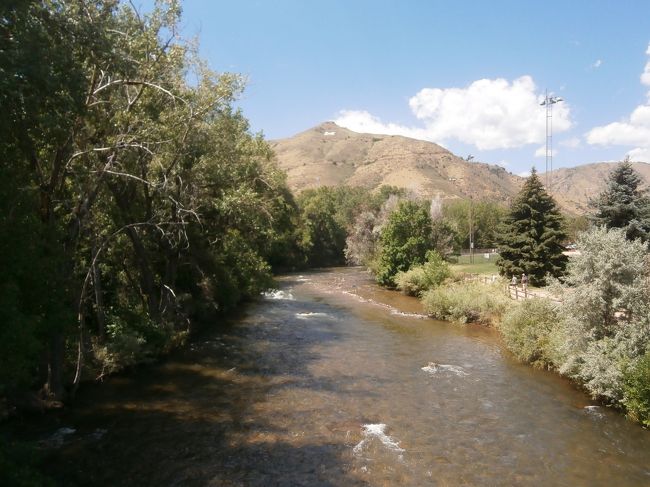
[424,277]
[530,331]
[605,312]
[466,302]
[636,387]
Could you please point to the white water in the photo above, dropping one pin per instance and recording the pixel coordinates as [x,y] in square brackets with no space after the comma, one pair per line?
[435,368]
[377,431]
[278,294]
[306,316]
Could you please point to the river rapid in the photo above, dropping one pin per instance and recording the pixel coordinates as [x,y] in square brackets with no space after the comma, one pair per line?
[332,381]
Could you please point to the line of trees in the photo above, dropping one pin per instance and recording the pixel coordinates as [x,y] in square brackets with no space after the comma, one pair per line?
[133,198]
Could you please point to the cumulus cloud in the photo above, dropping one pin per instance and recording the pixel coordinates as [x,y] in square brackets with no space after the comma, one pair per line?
[634,131]
[489,114]
[364,122]
[572,143]
[541,152]
[645,76]
[597,64]
[640,154]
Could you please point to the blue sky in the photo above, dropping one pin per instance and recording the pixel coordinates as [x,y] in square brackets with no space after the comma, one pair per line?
[466,74]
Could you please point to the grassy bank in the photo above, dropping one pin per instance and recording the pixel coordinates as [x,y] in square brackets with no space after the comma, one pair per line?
[481,265]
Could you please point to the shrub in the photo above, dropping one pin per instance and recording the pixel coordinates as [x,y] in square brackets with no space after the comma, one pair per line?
[424,277]
[636,386]
[530,332]
[466,302]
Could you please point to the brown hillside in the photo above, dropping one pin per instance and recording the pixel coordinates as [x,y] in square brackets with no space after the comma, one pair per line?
[574,187]
[329,155]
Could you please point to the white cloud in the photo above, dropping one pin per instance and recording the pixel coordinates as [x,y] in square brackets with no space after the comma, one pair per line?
[362,121]
[597,64]
[619,133]
[640,154]
[489,114]
[572,143]
[645,76]
[541,152]
[524,174]
[635,131]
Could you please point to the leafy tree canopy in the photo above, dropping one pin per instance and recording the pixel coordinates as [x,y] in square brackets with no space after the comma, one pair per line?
[404,241]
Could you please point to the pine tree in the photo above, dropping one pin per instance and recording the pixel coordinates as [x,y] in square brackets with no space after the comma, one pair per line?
[623,205]
[532,234]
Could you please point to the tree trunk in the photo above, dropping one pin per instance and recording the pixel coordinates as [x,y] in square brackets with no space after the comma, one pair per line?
[99,300]
[147,280]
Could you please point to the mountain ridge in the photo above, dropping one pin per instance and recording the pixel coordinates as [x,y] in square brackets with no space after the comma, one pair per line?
[330,155]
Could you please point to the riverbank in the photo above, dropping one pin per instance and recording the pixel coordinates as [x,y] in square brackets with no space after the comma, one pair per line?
[535,331]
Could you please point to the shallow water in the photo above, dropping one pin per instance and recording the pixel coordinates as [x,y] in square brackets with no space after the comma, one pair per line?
[332,381]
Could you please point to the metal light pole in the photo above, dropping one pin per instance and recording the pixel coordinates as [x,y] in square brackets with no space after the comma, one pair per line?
[471,231]
[548,102]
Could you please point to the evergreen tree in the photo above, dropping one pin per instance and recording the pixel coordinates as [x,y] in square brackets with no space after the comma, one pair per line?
[532,234]
[623,205]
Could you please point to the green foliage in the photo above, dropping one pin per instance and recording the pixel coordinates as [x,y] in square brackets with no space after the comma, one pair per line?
[623,204]
[486,216]
[466,302]
[530,331]
[605,314]
[481,265]
[424,277]
[324,220]
[405,239]
[636,390]
[364,232]
[574,226]
[338,218]
[131,200]
[532,235]
[608,276]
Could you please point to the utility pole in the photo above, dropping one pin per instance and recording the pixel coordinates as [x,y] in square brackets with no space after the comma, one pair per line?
[471,231]
[548,102]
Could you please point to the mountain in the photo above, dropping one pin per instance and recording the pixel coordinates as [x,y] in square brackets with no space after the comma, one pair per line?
[574,187]
[329,155]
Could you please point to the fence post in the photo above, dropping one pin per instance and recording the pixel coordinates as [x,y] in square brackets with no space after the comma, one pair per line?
[516,293]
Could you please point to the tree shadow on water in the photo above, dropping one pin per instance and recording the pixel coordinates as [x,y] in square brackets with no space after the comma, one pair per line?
[203,417]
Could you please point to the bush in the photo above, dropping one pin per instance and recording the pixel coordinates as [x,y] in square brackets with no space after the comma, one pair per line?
[530,331]
[422,278]
[466,302]
[636,386]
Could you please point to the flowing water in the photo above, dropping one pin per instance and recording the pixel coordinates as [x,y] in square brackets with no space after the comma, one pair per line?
[332,381]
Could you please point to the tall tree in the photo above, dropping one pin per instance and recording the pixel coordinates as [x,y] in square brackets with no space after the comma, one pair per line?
[532,235]
[623,204]
[404,241]
[130,198]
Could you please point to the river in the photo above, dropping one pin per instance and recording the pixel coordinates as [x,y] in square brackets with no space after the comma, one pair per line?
[332,381]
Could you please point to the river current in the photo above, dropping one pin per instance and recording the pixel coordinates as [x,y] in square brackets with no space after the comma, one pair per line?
[331,381]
